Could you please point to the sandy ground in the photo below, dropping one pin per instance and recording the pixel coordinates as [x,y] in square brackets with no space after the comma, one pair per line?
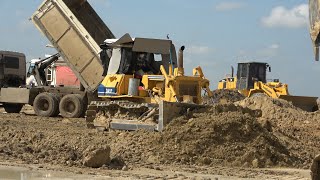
[9,170]
[254,141]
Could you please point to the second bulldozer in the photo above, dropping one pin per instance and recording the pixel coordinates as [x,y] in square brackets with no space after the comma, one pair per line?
[251,80]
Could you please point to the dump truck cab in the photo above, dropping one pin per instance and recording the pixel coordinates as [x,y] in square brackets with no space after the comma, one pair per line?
[12,69]
[12,76]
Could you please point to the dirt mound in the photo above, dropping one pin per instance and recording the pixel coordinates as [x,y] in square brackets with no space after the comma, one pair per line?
[225,135]
[42,140]
[270,106]
[299,129]
[282,114]
[259,133]
[224,96]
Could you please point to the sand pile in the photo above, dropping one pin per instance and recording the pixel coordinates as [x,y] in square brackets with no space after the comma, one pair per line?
[299,130]
[59,142]
[224,135]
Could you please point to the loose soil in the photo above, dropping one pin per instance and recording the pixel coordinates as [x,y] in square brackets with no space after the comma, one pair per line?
[227,137]
[224,96]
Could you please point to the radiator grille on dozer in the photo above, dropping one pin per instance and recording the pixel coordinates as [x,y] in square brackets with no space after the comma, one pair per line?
[190,89]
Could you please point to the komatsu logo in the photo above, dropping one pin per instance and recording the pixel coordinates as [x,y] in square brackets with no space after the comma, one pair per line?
[107,91]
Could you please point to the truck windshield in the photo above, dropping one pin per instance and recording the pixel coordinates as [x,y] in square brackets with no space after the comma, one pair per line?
[31,68]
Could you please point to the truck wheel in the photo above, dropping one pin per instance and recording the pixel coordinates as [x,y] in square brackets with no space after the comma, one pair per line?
[12,108]
[46,105]
[71,106]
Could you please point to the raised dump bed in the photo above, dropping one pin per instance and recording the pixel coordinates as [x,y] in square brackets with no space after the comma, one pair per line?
[76,31]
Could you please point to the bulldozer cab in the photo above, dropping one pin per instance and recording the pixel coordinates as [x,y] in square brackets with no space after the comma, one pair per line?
[250,72]
[128,56]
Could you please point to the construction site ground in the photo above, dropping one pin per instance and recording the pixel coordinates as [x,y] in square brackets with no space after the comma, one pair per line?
[254,138]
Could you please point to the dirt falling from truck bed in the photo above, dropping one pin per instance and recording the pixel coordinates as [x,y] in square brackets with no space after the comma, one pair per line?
[276,134]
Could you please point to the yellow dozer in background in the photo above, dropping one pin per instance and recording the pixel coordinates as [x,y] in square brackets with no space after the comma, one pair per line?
[144,86]
[251,80]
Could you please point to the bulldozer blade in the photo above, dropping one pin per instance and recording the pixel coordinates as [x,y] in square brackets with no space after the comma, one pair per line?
[305,103]
[166,112]
[170,110]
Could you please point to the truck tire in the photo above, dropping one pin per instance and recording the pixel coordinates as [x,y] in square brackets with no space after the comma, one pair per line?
[71,106]
[46,105]
[12,108]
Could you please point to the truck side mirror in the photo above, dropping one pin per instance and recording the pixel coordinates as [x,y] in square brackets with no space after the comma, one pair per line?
[269,69]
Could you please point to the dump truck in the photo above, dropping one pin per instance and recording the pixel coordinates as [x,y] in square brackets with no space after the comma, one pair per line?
[251,80]
[76,31]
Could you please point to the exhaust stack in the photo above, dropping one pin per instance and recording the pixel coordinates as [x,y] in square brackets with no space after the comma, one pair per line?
[180,69]
[180,58]
[232,71]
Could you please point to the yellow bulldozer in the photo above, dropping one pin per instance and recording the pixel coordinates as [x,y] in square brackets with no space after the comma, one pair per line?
[144,85]
[251,80]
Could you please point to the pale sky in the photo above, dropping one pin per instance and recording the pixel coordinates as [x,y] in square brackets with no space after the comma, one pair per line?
[216,33]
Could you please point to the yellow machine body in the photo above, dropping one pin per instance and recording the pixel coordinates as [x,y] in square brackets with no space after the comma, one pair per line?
[169,87]
[272,89]
[253,82]
[143,92]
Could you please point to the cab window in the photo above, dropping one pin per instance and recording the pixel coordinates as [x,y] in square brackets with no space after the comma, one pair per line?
[11,62]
